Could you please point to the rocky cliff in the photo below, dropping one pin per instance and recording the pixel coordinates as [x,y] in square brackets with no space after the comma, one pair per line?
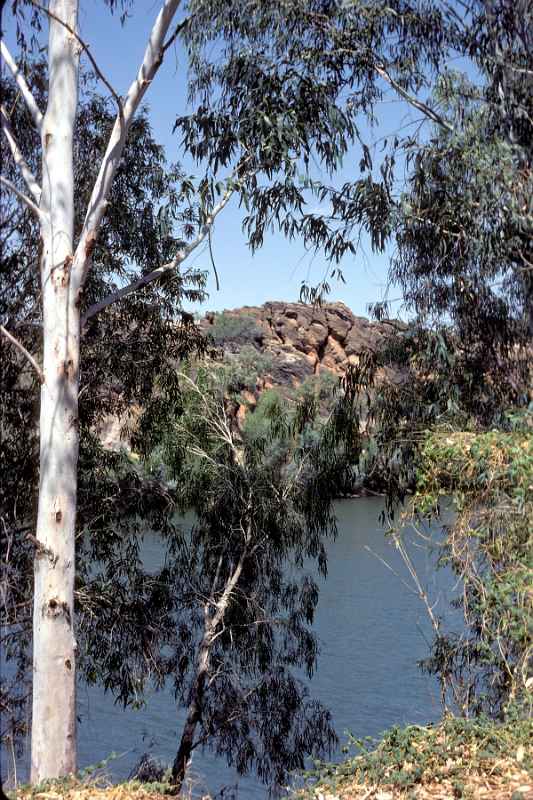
[298,341]
[301,340]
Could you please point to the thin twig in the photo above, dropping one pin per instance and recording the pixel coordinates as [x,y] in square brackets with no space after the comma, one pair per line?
[24,197]
[164,269]
[217,282]
[20,347]
[179,28]
[418,104]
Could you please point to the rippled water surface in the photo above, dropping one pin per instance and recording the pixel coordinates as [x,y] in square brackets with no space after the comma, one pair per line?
[372,629]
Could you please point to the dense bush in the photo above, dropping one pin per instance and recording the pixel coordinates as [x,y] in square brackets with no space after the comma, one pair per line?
[489,478]
[235,328]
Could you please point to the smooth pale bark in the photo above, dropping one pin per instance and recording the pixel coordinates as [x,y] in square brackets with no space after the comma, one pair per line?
[64,269]
[63,274]
[53,751]
[152,60]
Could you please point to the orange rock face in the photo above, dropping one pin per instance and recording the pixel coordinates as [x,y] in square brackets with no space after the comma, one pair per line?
[304,341]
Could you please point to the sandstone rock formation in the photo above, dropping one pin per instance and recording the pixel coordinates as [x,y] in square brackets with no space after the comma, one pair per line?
[301,339]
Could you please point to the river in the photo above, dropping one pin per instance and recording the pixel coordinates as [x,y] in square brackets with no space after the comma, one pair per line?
[372,630]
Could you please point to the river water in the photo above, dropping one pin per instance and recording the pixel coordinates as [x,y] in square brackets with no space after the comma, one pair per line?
[372,630]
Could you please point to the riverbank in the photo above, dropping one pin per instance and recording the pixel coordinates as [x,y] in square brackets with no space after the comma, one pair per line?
[474,760]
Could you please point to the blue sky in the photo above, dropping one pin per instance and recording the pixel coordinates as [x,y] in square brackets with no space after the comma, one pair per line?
[277,270]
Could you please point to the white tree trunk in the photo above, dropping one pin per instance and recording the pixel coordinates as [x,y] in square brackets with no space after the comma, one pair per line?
[63,274]
[54,676]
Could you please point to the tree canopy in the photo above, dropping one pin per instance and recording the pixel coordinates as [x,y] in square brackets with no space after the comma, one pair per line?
[275,90]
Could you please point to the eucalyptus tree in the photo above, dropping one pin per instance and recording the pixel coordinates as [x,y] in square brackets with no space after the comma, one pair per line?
[134,240]
[288,87]
[148,334]
[227,621]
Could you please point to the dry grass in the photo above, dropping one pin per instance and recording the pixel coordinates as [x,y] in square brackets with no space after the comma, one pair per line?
[509,783]
[455,759]
[96,787]
[125,791]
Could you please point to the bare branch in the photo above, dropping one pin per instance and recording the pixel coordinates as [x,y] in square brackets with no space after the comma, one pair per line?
[179,28]
[24,197]
[178,259]
[20,347]
[85,48]
[152,60]
[418,104]
[23,86]
[19,159]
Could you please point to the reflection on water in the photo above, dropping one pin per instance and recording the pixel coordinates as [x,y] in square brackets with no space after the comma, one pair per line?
[372,629]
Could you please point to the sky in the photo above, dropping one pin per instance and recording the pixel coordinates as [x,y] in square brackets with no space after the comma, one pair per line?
[278,269]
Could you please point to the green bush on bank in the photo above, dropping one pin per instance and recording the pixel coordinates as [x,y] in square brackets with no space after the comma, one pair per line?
[489,479]
[456,757]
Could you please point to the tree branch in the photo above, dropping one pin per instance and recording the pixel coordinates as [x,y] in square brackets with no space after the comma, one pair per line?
[24,197]
[178,259]
[425,109]
[85,48]
[418,104]
[20,347]
[23,86]
[152,60]
[179,28]
[19,159]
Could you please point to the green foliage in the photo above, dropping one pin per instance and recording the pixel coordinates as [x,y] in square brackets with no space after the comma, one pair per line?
[455,753]
[463,239]
[290,86]
[464,226]
[235,328]
[463,263]
[489,479]
[234,586]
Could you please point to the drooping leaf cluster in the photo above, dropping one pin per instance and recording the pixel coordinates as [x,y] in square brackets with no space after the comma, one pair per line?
[287,93]
[263,512]
[464,237]
[283,89]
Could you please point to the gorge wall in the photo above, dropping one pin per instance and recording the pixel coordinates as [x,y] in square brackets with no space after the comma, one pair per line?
[302,340]
[299,341]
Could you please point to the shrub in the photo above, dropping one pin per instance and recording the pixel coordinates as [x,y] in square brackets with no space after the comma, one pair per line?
[235,328]
[489,478]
